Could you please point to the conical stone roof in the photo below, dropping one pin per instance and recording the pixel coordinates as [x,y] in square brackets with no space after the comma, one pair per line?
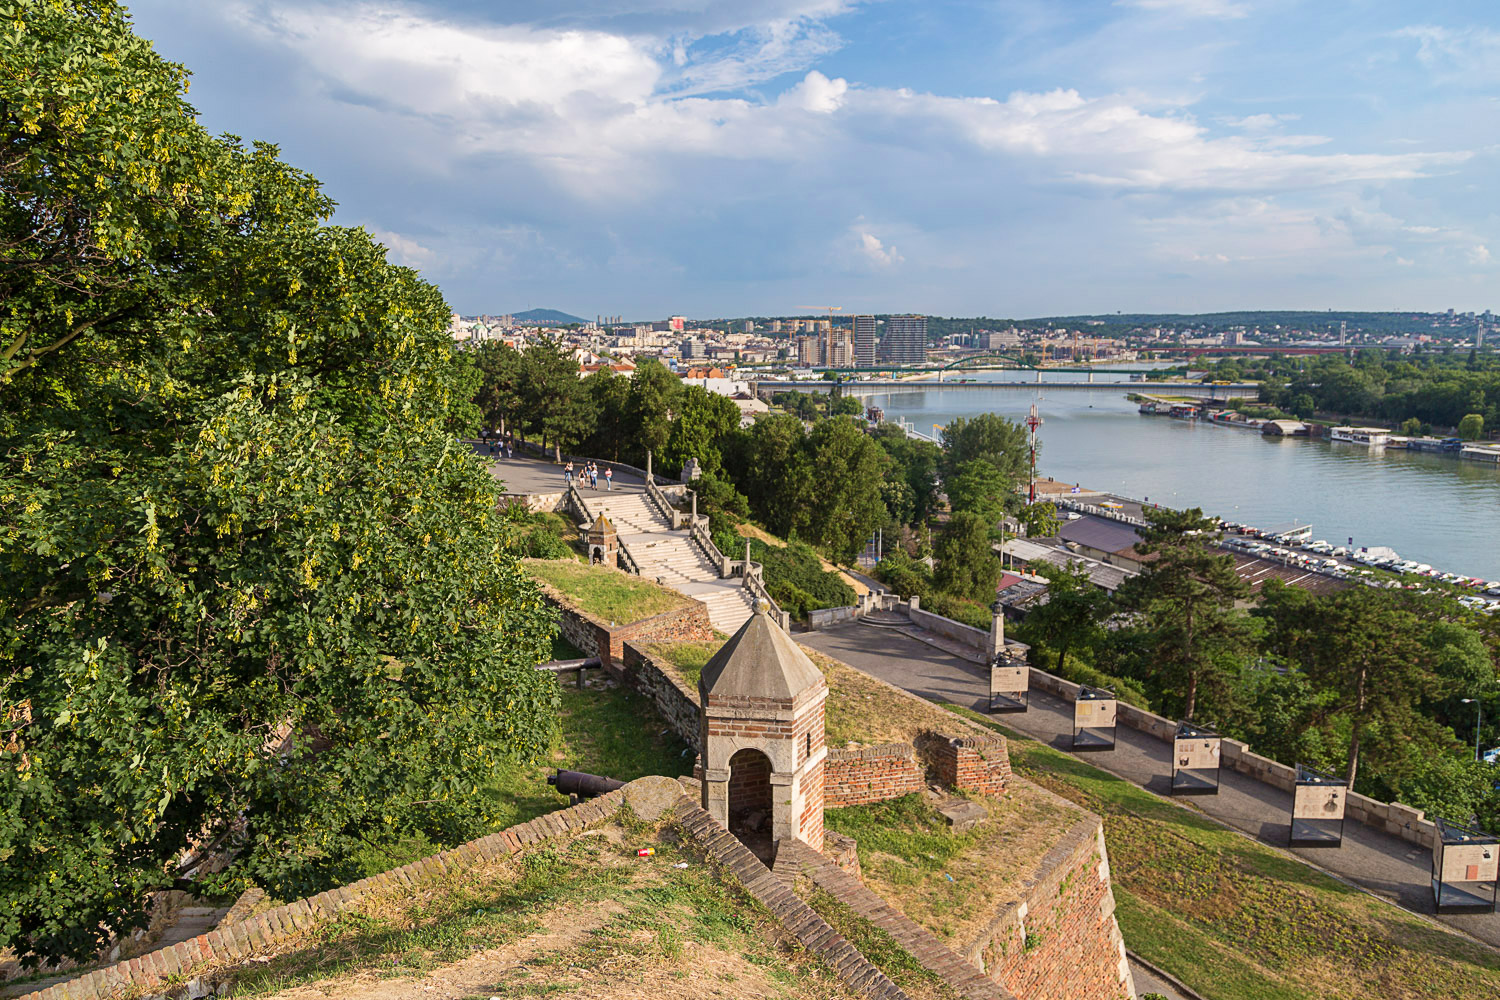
[759,661]
[601,524]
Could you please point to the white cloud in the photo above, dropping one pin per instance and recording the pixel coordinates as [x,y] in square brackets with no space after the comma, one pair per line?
[1190,8]
[403,250]
[1479,254]
[816,93]
[872,250]
[1457,55]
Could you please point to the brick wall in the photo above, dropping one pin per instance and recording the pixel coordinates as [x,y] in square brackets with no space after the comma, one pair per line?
[972,763]
[810,823]
[1060,942]
[749,786]
[674,700]
[597,638]
[870,774]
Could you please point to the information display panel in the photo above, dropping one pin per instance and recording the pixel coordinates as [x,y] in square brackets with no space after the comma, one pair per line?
[1094,713]
[1195,760]
[1318,802]
[1465,869]
[1010,686]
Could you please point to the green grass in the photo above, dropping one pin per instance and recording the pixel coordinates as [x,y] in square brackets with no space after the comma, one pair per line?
[659,910]
[562,649]
[687,658]
[1237,920]
[609,595]
[611,731]
[881,950]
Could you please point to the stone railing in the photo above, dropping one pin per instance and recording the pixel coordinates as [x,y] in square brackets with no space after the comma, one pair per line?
[663,503]
[574,501]
[753,575]
[698,529]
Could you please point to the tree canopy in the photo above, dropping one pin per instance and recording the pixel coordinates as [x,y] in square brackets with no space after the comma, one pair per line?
[255,597]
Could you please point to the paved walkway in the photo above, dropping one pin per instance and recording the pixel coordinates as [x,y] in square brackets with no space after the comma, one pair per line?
[526,473]
[1387,866]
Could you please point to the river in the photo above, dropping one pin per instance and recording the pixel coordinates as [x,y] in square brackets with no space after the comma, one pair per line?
[1433,509]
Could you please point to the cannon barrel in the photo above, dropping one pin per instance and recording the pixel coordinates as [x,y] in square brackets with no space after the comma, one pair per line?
[583,785]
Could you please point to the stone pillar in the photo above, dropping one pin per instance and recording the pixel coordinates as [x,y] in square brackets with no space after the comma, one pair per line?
[649,477]
[997,631]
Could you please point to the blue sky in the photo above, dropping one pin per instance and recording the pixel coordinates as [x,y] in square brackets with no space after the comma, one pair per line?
[999,157]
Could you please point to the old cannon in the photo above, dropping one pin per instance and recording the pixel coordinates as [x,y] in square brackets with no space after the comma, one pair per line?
[583,785]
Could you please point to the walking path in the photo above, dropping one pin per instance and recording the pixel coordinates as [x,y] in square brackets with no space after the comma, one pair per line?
[1387,866]
[669,557]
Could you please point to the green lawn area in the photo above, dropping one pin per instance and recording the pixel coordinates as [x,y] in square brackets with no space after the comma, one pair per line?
[860,708]
[600,731]
[953,884]
[607,594]
[1237,920]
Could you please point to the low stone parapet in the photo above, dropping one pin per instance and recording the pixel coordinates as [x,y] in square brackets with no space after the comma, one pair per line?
[857,777]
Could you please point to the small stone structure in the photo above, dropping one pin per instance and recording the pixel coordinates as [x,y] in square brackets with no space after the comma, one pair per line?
[603,542]
[762,736]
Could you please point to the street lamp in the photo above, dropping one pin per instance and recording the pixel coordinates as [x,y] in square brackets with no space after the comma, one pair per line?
[1477,722]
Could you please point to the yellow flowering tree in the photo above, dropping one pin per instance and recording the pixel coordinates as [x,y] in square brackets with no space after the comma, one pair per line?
[256,603]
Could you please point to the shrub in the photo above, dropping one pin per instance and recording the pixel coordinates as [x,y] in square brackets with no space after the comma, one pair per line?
[966,612]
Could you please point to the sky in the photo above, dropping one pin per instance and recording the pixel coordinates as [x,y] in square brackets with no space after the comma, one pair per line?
[1008,158]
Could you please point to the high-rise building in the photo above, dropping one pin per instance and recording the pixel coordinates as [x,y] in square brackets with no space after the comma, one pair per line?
[677,323]
[905,341]
[838,348]
[807,350]
[864,341]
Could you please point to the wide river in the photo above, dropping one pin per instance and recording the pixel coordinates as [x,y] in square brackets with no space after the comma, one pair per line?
[1433,509]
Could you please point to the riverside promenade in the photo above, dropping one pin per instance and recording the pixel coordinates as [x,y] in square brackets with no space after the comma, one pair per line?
[1386,866]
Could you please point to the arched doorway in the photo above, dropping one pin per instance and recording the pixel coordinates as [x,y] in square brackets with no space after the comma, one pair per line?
[750,796]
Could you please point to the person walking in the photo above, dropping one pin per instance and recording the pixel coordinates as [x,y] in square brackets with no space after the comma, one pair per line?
[508,443]
[568,473]
[609,478]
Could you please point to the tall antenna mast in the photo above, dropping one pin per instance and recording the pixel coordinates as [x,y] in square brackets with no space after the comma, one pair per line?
[1032,423]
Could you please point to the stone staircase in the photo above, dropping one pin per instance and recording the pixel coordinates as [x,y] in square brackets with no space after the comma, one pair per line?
[671,558]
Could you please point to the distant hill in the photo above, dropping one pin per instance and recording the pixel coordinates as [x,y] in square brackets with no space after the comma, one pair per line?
[547,316]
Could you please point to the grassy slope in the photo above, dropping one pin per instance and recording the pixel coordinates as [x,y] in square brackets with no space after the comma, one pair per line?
[1237,920]
[581,916]
[610,595]
[600,732]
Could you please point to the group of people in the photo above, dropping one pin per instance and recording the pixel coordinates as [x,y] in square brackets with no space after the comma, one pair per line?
[590,476]
[497,443]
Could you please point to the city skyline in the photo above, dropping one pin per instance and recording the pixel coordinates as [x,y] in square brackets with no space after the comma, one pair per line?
[633,157]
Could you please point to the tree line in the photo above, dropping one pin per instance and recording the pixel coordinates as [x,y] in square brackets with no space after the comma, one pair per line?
[1365,682]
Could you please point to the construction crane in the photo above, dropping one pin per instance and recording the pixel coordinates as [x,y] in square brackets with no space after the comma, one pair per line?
[831,311]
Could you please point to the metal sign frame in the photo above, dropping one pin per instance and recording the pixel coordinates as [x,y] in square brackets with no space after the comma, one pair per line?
[1095,719]
[1464,863]
[1010,685]
[1319,802]
[1196,759]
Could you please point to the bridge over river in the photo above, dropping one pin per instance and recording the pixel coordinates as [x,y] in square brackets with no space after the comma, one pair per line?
[887,386]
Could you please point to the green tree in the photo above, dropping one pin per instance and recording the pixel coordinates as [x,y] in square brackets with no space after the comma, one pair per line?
[965,565]
[553,401]
[844,508]
[777,475]
[977,487]
[904,575]
[1411,427]
[249,584]
[654,392]
[1071,616]
[1471,427]
[1039,519]
[702,421]
[1186,595]
[989,437]
[609,397]
[499,395]
[1369,655]
[1303,405]
[916,463]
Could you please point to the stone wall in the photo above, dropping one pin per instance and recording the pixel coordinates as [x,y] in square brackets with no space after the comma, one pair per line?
[870,774]
[948,628]
[674,700]
[1061,941]
[1398,820]
[824,617]
[971,763]
[596,638]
